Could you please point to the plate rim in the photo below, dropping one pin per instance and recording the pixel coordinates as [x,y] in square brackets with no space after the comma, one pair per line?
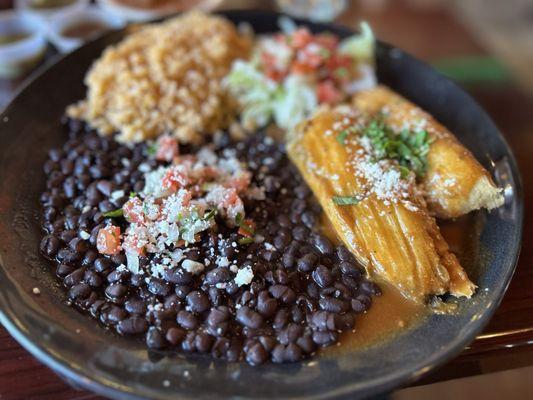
[380,384]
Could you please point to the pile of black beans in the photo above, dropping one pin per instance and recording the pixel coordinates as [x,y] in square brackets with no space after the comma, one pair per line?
[305,292]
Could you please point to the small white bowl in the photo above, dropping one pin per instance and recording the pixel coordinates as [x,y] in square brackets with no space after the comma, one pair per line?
[18,57]
[138,14]
[25,7]
[70,19]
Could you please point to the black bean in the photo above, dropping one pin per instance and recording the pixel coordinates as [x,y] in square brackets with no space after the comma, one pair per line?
[63,270]
[322,244]
[266,305]
[175,335]
[78,245]
[217,275]
[349,269]
[361,303]
[283,293]
[135,307]
[250,318]
[290,334]
[50,245]
[203,342]
[306,344]
[293,353]
[116,291]
[79,291]
[132,326]
[101,264]
[197,301]
[187,320]
[332,304]
[370,288]
[154,338]
[281,319]
[116,314]
[89,258]
[159,287]
[309,219]
[322,276]
[256,354]
[93,279]
[324,338]
[307,262]
[177,276]
[74,277]
[105,187]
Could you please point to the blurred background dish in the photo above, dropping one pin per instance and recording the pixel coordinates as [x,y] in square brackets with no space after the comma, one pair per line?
[145,10]
[48,8]
[70,29]
[22,44]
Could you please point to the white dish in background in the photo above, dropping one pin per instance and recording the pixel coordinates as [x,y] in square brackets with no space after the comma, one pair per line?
[24,6]
[142,14]
[60,23]
[20,56]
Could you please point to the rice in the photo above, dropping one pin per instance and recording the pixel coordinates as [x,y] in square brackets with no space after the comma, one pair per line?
[164,78]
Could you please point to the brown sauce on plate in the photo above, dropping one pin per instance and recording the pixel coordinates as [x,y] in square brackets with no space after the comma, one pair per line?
[391,313]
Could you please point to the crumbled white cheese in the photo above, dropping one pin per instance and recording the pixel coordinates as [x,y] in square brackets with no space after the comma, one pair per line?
[194,267]
[117,194]
[244,276]
[36,290]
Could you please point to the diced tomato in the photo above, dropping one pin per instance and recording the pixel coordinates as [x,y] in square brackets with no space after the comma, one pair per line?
[339,61]
[326,92]
[327,40]
[301,38]
[270,69]
[133,211]
[131,244]
[174,179]
[301,68]
[167,148]
[310,56]
[240,182]
[108,240]
[247,228]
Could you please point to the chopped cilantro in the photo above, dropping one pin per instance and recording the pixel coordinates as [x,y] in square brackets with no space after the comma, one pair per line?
[114,214]
[132,195]
[152,149]
[245,240]
[210,214]
[239,219]
[341,137]
[341,72]
[346,200]
[410,149]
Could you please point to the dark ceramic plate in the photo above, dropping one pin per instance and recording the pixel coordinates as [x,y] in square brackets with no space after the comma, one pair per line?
[72,345]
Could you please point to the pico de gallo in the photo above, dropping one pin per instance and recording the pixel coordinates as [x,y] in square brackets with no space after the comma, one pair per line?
[179,201]
[293,72]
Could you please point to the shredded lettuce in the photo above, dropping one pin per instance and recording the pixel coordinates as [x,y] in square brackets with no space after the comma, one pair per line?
[263,100]
[361,46]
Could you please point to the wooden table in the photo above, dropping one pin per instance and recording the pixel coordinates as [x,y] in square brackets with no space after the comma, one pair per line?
[506,342]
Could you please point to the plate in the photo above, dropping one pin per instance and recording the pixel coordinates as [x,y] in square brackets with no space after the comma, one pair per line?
[95,359]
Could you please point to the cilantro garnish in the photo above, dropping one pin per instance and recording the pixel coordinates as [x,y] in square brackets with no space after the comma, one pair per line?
[345,200]
[210,214]
[114,214]
[132,195]
[245,240]
[410,149]
[341,137]
[151,150]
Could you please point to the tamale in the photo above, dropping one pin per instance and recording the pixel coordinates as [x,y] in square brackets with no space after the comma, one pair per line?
[455,182]
[391,234]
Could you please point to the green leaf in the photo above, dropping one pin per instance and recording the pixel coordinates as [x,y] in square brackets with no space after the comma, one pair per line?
[239,219]
[341,137]
[209,215]
[132,195]
[346,200]
[152,149]
[114,214]
[245,240]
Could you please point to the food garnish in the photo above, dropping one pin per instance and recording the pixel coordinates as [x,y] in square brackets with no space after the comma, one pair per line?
[291,73]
